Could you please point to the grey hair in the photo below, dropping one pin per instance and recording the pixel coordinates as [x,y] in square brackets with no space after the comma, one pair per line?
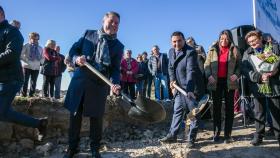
[112,13]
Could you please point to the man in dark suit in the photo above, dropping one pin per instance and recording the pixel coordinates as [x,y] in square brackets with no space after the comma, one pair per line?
[184,72]
[86,95]
[11,77]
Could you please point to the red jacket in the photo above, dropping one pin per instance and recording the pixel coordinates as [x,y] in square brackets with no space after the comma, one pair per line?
[124,68]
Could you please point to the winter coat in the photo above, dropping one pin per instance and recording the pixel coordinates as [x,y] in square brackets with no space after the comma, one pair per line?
[186,73]
[124,68]
[50,66]
[233,66]
[85,88]
[152,65]
[254,77]
[11,42]
[25,59]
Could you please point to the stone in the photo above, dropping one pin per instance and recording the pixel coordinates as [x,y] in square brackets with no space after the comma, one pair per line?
[6,130]
[27,143]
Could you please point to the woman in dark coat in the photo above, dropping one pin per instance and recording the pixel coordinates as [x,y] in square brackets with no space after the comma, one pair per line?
[50,68]
[256,79]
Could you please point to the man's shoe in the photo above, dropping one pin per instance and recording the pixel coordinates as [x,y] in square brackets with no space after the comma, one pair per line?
[256,141]
[95,153]
[228,140]
[216,139]
[270,132]
[42,128]
[169,139]
[70,153]
[190,144]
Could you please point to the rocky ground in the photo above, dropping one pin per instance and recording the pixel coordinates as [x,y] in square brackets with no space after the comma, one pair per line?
[124,140]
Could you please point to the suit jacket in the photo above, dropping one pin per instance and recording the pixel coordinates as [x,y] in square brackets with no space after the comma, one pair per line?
[85,88]
[186,74]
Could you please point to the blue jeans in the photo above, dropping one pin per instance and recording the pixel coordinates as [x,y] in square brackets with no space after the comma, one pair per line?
[57,85]
[7,114]
[161,80]
[139,88]
[178,115]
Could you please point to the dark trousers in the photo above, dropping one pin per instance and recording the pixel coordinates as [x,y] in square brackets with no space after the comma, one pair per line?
[7,113]
[260,114]
[57,86]
[178,115]
[48,85]
[75,128]
[129,88]
[217,96]
[148,86]
[27,74]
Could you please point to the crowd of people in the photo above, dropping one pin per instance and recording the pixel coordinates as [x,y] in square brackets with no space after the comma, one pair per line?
[186,65]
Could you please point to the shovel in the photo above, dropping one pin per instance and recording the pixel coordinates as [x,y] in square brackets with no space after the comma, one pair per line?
[201,103]
[143,109]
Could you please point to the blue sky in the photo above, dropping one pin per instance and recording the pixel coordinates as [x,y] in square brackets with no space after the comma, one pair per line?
[144,23]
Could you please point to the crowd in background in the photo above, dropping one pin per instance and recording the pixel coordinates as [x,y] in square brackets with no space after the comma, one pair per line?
[221,68]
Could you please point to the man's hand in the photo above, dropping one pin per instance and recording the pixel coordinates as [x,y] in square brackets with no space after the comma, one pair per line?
[211,79]
[173,89]
[171,84]
[81,60]
[233,78]
[116,89]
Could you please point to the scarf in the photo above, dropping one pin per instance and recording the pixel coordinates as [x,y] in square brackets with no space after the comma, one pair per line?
[34,53]
[102,55]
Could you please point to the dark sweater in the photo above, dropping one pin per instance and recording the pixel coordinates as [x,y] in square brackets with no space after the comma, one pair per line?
[11,42]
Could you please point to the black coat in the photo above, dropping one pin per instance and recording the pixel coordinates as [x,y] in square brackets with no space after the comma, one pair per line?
[253,77]
[85,88]
[186,73]
[11,42]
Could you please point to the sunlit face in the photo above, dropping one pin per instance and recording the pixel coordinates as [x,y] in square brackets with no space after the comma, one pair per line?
[111,24]
[224,40]
[127,54]
[2,16]
[177,42]
[254,42]
[34,40]
[155,50]
[144,56]
[57,49]
[52,45]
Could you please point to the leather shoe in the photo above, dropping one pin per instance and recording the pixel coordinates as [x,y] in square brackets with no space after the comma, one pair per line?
[95,153]
[216,139]
[190,144]
[228,140]
[256,141]
[42,128]
[70,153]
[169,139]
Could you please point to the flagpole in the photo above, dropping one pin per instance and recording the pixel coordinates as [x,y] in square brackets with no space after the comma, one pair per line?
[254,13]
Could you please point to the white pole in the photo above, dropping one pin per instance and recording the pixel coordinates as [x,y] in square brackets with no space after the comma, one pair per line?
[254,13]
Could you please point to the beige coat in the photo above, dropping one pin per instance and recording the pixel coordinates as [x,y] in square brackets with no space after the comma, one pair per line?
[233,66]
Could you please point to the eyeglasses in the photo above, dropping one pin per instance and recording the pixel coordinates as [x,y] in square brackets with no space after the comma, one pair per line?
[252,41]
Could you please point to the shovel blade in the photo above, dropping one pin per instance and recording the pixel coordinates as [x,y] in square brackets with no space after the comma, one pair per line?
[147,110]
